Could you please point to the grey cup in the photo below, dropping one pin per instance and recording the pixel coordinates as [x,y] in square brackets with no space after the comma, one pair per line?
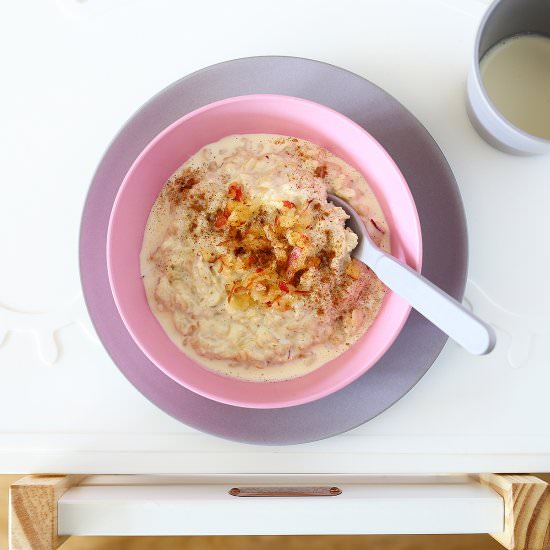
[503,19]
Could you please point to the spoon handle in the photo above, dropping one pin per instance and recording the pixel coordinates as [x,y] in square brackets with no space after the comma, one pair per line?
[437,306]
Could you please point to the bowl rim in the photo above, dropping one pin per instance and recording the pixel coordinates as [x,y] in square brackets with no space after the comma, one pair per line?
[277,402]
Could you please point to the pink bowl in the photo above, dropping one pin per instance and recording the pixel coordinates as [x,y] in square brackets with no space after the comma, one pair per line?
[271,114]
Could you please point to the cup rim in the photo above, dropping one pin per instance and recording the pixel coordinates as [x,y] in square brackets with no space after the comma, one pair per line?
[481,28]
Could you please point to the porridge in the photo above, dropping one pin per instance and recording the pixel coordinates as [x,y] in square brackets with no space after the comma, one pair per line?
[247,266]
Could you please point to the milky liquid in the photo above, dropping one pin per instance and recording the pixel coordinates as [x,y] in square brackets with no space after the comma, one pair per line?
[516,76]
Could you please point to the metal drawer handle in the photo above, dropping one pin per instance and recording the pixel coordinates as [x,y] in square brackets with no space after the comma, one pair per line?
[285,491]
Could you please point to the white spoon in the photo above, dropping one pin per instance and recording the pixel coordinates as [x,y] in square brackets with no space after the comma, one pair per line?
[435,304]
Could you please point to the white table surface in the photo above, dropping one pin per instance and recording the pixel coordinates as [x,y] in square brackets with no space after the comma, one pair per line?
[74,70]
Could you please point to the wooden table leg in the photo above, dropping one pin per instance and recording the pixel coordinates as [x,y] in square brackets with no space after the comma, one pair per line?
[33,511]
[526,510]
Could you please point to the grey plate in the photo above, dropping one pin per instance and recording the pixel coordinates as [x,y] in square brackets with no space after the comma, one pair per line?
[443,232]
